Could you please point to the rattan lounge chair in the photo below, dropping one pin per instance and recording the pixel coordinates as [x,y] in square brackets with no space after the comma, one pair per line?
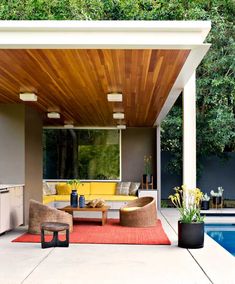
[140,212]
[40,213]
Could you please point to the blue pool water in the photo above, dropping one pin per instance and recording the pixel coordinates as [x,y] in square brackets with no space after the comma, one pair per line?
[223,234]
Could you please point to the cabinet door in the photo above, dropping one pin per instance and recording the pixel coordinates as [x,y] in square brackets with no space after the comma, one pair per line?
[4,212]
[20,200]
[16,206]
[13,212]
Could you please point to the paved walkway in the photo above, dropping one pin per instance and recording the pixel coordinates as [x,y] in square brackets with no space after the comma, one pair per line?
[28,263]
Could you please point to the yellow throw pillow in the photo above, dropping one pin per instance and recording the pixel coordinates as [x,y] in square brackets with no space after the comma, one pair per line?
[63,188]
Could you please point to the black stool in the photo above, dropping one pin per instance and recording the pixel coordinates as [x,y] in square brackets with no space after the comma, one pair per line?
[54,227]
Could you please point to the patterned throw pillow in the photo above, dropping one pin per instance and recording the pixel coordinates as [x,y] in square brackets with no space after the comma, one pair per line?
[46,190]
[123,188]
[51,188]
[134,188]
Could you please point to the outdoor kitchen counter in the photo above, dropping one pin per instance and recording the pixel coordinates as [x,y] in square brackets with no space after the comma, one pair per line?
[2,186]
[11,206]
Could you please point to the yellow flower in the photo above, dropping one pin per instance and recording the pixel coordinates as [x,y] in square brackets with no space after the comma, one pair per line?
[188,207]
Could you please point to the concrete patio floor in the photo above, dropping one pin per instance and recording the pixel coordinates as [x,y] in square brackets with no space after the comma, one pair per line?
[83,263]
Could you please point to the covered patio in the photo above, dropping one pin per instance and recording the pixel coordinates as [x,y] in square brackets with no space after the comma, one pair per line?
[72,66]
[89,263]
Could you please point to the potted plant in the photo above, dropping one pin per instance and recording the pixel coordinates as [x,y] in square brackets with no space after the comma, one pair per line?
[217,196]
[147,177]
[205,204]
[74,183]
[191,223]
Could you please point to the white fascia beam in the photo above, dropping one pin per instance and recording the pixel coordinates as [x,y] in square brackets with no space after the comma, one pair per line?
[189,133]
[159,170]
[102,34]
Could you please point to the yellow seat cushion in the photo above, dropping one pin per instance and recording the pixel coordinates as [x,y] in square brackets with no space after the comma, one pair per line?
[67,197]
[48,199]
[84,188]
[107,197]
[62,197]
[63,188]
[103,188]
[130,208]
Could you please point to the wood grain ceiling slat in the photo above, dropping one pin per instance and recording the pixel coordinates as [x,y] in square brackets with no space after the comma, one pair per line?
[77,81]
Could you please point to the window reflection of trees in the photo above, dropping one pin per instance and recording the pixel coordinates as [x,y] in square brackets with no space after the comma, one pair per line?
[81,153]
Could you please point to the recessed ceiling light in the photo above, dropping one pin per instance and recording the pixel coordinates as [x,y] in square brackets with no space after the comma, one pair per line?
[118,115]
[68,124]
[114,97]
[121,126]
[53,115]
[28,97]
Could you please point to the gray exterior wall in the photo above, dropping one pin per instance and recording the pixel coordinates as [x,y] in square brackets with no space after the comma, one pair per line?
[12,144]
[216,172]
[33,158]
[136,143]
[21,150]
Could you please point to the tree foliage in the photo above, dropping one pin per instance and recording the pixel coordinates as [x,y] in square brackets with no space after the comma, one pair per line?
[215,88]
[215,76]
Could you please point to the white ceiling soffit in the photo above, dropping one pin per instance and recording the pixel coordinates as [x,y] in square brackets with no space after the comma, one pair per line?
[114,35]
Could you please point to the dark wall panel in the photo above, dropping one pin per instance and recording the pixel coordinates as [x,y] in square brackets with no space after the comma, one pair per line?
[216,172]
[136,143]
[168,180]
[219,172]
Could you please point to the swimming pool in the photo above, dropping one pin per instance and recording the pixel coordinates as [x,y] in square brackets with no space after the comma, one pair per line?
[223,234]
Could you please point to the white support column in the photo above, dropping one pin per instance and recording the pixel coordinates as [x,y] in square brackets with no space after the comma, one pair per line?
[158,146]
[189,133]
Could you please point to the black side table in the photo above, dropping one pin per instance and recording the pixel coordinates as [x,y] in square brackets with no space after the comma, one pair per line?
[54,227]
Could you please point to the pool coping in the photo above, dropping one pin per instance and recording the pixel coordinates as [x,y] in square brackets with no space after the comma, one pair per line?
[216,262]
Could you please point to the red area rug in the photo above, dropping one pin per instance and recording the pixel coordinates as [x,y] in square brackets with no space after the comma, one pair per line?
[91,232]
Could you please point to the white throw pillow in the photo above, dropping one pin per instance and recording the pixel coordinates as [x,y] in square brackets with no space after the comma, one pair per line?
[46,190]
[52,188]
[134,188]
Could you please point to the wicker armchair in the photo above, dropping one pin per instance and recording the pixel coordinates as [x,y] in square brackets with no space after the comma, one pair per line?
[40,213]
[140,212]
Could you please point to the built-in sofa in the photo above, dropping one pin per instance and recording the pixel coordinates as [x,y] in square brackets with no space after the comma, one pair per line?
[58,194]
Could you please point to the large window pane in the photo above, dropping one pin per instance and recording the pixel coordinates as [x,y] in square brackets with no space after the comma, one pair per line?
[79,153]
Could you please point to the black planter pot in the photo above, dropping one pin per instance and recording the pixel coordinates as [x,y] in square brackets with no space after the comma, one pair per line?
[216,200]
[205,205]
[147,178]
[190,235]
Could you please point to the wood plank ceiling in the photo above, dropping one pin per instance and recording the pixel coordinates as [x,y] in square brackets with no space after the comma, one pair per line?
[78,81]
